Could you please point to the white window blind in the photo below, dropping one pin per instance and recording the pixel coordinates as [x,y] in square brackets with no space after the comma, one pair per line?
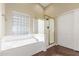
[20,23]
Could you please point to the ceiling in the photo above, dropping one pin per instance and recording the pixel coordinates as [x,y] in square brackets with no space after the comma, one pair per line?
[44,5]
[55,9]
[52,9]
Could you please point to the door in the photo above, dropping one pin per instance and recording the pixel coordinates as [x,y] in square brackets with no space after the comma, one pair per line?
[50,31]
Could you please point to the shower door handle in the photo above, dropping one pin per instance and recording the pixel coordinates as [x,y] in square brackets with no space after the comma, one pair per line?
[47,27]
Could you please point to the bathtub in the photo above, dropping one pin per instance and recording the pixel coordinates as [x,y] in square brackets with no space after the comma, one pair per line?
[22,45]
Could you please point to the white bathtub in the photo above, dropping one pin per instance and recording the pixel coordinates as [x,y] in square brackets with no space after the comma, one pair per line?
[23,45]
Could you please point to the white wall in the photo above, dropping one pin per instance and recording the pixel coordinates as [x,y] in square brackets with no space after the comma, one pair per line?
[2,22]
[65,30]
[76,29]
[68,29]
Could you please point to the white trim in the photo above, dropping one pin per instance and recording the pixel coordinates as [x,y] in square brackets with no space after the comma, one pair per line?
[51,45]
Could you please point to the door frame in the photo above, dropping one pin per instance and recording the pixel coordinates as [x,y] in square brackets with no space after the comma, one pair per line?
[47,41]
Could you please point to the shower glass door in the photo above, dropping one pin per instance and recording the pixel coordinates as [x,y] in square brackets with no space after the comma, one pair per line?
[50,30]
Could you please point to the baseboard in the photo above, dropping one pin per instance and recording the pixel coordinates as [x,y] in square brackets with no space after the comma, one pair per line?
[64,51]
[66,47]
[51,45]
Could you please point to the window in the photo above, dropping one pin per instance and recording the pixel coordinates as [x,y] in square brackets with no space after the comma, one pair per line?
[20,23]
[40,26]
[35,26]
